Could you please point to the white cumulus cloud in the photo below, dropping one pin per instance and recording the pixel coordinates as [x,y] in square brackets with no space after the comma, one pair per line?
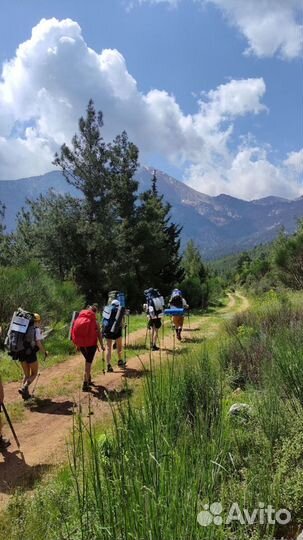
[249,174]
[45,88]
[295,161]
[271,27]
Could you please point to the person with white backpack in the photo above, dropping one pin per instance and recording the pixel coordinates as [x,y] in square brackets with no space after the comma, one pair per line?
[24,339]
[154,309]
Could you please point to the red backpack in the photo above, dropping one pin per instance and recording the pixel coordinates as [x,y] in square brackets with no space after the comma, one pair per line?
[84,331]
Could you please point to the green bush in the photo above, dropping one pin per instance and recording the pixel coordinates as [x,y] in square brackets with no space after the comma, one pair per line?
[31,288]
[194,292]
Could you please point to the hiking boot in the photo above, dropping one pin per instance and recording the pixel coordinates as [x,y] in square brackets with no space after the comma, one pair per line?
[4,443]
[24,393]
[85,387]
[155,348]
[109,368]
[121,364]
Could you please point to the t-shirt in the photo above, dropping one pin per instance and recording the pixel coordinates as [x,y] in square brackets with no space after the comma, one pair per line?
[38,334]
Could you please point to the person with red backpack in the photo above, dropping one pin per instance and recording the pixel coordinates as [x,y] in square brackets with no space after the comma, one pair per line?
[85,335]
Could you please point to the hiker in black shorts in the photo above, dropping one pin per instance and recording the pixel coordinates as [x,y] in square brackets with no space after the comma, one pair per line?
[4,443]
[154,311]
[154,324]
[113,336]
[29,359]
[85,335]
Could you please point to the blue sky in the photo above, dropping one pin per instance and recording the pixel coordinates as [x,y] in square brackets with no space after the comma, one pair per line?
[175,74]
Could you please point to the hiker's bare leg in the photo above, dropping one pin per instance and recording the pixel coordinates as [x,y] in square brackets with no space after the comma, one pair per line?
[33,372]
[153,335]
[181,326]
[109,343]
[87,372]
[26,371]
[119,347]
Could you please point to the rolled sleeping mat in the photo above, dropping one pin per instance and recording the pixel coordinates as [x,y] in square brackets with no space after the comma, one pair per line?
[112,295]
[75,316]
[121,299]
[117,295]
[174,312]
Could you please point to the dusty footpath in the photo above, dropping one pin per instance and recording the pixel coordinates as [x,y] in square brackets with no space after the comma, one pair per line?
[47,420]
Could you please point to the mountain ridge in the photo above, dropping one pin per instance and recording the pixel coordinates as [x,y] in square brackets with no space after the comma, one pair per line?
[219,225]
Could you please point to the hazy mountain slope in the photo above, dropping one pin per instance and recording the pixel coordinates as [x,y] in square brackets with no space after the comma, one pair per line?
[219,225]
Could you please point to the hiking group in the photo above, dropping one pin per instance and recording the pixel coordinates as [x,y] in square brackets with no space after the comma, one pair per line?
[25,338]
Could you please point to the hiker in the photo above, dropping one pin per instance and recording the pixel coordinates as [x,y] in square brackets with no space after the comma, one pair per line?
[112,326]
[177,301]
[85,335]
[154,309]
[4,443]
[29,360]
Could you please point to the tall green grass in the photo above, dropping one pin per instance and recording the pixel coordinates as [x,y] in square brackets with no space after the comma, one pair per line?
[177,450]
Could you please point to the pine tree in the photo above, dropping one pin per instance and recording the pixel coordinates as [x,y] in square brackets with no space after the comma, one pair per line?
[192,262]
[104,174]
[5,240]
[196,283]
[48,231]
[160,242]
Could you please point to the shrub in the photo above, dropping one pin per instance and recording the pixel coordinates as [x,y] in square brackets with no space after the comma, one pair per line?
[33,289]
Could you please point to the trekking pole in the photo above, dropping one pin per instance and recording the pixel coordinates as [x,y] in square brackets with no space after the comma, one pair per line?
[103,361]
[10,424]
[188,318]
[124,352]
[174,338]
[146,336]
[128,318]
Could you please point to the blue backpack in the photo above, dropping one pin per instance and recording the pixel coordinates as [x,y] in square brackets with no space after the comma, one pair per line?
[155,301]
[176,299]
[112,318]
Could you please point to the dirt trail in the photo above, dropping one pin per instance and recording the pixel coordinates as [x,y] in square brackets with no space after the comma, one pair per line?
[46,423]
[245,304]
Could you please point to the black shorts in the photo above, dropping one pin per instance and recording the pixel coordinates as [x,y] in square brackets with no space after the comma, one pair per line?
[89,353]
[113,335]
[28,358]
[156,323]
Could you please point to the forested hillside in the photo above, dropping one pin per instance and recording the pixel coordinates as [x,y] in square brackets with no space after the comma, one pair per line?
[218,225]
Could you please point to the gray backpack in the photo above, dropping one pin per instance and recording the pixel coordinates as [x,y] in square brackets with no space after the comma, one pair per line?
[21,334]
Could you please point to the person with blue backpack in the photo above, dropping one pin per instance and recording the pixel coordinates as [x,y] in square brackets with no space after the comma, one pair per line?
[112,328]
[154,310]
[179,303]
